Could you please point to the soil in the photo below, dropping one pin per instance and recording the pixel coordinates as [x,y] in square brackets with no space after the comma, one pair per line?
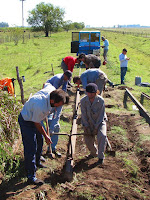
[116,179]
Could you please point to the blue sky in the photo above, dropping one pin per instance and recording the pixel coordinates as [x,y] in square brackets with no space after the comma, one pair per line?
[96,13]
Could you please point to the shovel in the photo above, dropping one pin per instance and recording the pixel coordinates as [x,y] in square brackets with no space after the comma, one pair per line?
[110,152]
[51,155]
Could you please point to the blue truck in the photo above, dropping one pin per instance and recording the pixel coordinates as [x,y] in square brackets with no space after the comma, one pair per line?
[87,42]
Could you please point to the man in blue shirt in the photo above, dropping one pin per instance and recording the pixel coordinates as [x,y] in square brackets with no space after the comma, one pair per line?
[106,47]
[34,111]
[60,80]
[123,64]
[53,119]
[92,76]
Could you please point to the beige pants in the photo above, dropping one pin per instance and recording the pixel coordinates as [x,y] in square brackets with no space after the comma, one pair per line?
[101,141]
[101,82]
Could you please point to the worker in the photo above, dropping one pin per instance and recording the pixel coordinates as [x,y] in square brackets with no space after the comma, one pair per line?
[123,64]
[92,76]
[90,60]
[36,109]
[53,119]
[105,47]
[93,119]
[69,62]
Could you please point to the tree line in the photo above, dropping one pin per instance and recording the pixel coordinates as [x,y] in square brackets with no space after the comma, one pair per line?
[3,24]
[48,18]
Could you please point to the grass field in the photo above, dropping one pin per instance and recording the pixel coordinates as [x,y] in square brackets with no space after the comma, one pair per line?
[36,56]
[125,176]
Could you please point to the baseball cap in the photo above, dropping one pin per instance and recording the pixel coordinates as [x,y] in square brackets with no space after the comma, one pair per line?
[91,88]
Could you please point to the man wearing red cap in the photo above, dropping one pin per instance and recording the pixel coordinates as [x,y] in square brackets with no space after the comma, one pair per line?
[93,118]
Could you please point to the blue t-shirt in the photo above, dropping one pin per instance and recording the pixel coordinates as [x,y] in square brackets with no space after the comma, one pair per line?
[106,44]
[90,76]
[57,81]
[123,61]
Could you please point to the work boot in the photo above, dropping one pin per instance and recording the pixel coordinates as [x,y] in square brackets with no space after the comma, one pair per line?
[89,156]
[100,161]
[57,154]
[35,181]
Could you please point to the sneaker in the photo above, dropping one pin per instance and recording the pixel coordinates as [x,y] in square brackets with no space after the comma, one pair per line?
[35,182]
[41,166]
[100,161]
[42,159]
[57,154]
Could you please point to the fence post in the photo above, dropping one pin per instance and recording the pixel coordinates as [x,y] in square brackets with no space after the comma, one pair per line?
[125,99]
[21,85]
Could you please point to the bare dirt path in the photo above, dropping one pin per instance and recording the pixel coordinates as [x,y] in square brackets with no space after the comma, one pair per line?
[123,177]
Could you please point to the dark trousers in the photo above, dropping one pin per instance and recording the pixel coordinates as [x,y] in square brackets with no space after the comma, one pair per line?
[33,144]
[123,73]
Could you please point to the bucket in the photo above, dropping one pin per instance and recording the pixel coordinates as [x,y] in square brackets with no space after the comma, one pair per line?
[137,80]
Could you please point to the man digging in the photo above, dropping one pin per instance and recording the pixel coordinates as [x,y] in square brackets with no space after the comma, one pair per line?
[93,118]
[36,109]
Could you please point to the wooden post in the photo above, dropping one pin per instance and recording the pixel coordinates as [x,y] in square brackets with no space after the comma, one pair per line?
[52,69]
[142,99]
[21,86]
[125,99]
[72,140]
[142,110]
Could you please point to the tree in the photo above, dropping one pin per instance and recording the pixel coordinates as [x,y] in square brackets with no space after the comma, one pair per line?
[46,17]
[67,25]
[4,24]
[78,25]
[16,34]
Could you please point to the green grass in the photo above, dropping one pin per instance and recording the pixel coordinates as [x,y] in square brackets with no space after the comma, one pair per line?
[118,130]
[33,58]
[37,55]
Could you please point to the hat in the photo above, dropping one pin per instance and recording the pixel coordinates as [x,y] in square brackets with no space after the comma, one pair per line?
[103,37]
[91,88]
[68,73]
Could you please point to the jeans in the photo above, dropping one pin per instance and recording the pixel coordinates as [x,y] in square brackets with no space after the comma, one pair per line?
[123,73]
[53,122]
[33,144]
[105,54]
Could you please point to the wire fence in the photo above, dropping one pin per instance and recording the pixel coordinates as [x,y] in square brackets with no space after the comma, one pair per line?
[145,33]
[7,36]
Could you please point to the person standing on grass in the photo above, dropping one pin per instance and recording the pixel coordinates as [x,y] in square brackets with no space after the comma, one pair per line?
[90,60]
[36,109]
[123,64]
[53,119]
[93,119]
[105,47]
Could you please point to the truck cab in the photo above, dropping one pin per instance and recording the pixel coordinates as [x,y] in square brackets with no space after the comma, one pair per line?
[87,42]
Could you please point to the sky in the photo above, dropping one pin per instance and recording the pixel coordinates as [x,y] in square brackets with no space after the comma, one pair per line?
[96,13]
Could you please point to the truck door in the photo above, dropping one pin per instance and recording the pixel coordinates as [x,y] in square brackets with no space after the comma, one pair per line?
[75,42]
[84,42]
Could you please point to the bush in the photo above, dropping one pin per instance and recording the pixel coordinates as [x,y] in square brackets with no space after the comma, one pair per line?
[9,133]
